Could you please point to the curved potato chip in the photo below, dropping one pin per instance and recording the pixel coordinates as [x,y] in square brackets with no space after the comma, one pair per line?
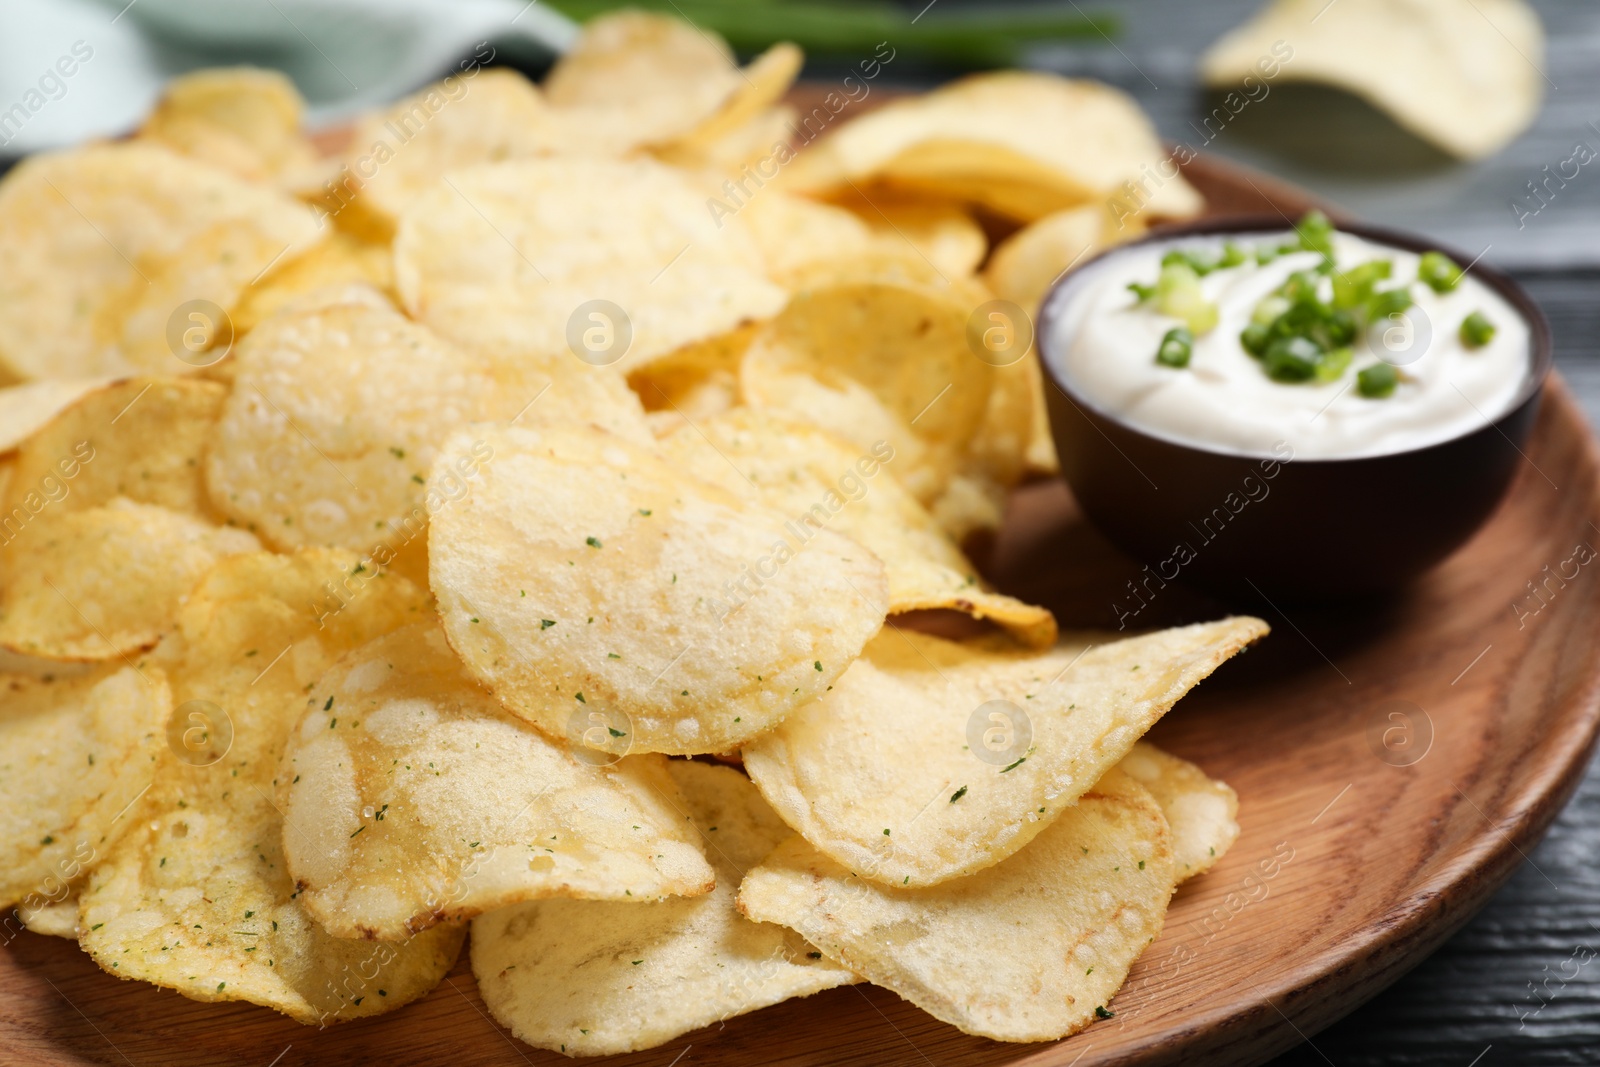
[461,121]
[793,233]
[99,583]
[615,263]
[820,482]
[654,78]
[140,439]
[99,226]
[241,119]
[197,896]
[761,84]
[1202,811]
[1030,950]
[583,574]
[1025,264]
[55,918]
[458,807]
[591,979]
[758,144]
[338,263]
[77,754]
[1023,143]
[874,361]
[26,408]
[940,231]
[698,380]
[1463,74]
[960,754]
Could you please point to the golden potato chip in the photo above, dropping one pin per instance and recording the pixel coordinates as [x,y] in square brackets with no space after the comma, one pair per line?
[1463,74]
[698,380]
[794,233]
[54,918]
[140,439]
[759,144]
[102,582]
[1030,950]
[762,84]
[24,409]
[820,482]
[1025,264]
[615,263]
[1023,143]
[580,574]
[461,121]
[240,119]
[337,263]
[653,78]
[588,978]
[1202,811]
[337,414]
[940,231]
[877,360]
[197,896]
[416,799]
[74,755]
[957,755]
[99,226]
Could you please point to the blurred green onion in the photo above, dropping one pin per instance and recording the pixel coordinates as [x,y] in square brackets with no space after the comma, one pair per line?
[968,37]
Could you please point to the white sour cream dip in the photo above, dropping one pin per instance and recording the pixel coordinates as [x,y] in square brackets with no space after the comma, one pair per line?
[1103,343]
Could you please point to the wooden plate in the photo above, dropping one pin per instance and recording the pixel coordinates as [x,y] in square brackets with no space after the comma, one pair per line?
[1367,840]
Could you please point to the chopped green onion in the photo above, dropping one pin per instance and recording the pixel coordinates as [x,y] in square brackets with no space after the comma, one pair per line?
[1267,312]
[1476,330]
[1292,359]
[1353,288]
[1333,365]
[1143,292]
[1388,302]
[1316,233]
[1255,339]
[1232,256]
[1178,294]
[1175,348]
[1377,381]
[1439,272]
[1202,263]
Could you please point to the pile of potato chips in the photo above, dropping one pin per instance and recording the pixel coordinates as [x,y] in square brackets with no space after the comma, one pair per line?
[376,527]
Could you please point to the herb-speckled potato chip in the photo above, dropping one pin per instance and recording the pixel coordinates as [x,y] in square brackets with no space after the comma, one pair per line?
[74,755]
[960,754]
[197,896]
[1032,949]
[587,978]
[582,573]
[1202,811]
[512,257]
[103,582]
[26,408]
[821,482]
[413,797]
[103,226]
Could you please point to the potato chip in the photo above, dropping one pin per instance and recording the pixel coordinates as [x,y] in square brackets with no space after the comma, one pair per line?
[54,918]
[581,574]
[957,755]
[1023,143]
[758,146]
[1030,950]
[698,380]
[654,79]
[336,264]
[1465,75]
[416,799]
[197,896]
[461,121]
[940,231]
[1025,264]
[102,582]
[616,263]
[99,226]
[877,360]
[140,439]
[24,409]
[794,233]
[240,119]
[588,979]
[76,754]
[1202,811]
[821,482]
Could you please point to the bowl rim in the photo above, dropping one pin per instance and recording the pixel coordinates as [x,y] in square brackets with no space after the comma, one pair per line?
[1541,344]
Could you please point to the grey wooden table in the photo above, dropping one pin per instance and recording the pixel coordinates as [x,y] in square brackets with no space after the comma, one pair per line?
[1521,983]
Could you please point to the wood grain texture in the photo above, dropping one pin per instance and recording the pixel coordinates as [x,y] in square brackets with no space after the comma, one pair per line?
[1350,868]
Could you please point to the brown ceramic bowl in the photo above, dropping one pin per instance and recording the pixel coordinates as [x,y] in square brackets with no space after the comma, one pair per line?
[1313,529]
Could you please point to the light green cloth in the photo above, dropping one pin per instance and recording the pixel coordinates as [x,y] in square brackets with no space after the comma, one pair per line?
[74,69]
